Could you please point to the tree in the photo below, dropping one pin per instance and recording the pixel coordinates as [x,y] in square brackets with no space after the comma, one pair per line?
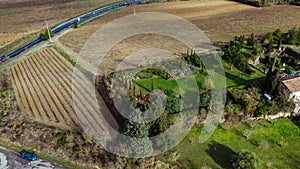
[248,98]
[293,37]
[174,105]
[251,40]
[133,128]
[271,83]
[46,35]
[204,99]
[140,147]
[278,38]
[268,42]
[238,53]
[152,85]
[245,160]
[75,25]
[138,135]
[194,59]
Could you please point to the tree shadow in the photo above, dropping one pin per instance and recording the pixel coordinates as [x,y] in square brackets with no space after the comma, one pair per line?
[252,3]
[240,81]
[220,153]
[296,120]
[294,160]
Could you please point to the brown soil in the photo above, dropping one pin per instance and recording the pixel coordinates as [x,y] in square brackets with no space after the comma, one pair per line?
[188,10]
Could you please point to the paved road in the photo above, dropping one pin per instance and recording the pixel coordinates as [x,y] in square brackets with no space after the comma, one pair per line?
[32,50]
[44,44]
[12,160]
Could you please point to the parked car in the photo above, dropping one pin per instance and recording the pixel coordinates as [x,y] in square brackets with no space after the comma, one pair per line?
[28,155]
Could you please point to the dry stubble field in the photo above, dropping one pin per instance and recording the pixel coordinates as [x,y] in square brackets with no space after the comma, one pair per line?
[220,20]
[22,17]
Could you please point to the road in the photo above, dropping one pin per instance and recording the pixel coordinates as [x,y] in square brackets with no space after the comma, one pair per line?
[32,50]
[56,36]
[12,160]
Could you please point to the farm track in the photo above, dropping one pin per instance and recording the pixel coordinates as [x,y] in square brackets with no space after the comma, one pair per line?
[44,87]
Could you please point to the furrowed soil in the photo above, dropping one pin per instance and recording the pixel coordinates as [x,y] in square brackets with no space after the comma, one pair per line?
[44,87]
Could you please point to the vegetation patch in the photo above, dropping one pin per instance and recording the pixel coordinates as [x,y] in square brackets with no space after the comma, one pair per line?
[281,136]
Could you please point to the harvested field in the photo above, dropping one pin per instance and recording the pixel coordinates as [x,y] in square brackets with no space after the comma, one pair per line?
[129,46]
[222,28]
[43,86]
[24,17]
[220,20]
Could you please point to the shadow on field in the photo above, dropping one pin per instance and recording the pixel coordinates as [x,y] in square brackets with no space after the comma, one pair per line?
[220,153]
[240,81]
[294,160]
[296,120]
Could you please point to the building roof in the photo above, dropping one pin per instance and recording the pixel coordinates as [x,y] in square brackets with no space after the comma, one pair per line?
[293,84]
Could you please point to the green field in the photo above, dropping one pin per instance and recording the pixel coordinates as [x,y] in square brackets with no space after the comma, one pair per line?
[234,78]
[276,143]
[170,85]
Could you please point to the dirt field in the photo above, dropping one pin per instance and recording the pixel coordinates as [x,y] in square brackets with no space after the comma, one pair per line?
[220,20]
[22,17]
[43,87]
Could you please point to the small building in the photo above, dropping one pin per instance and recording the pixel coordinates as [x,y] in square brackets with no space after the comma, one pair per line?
[293,90]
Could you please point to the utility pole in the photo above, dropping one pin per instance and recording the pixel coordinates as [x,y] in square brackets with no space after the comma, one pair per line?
[49,35]
[134,12]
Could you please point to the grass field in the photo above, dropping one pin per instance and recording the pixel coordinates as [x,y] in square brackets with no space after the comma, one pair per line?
[169,85]
[43,86]
[276,143]
[234,78]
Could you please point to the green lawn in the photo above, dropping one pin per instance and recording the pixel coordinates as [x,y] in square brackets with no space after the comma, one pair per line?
[233,79]
[170,85]
[277,144]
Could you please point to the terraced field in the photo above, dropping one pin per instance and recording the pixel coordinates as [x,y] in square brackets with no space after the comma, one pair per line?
[43,86]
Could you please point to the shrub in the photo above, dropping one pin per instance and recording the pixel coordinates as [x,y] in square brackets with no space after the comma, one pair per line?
[293,37]
[248,98]
[245,160]
[144,75]
[174,105]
